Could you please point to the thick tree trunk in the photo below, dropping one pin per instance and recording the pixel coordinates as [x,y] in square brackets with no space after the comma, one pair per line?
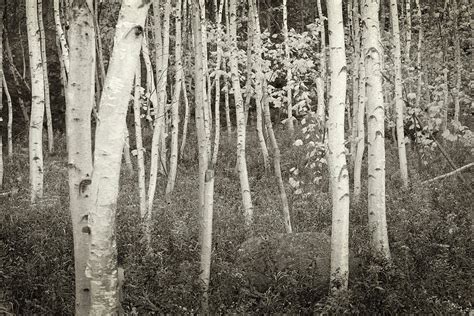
[102,263]
[373,54]
[336,149]
[79,103]
[399,104]
[37,101]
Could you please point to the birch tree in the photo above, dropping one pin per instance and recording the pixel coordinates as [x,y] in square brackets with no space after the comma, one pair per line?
[289,75]
[373,55]
[102,260]
[206,169]
[35,137]
[175,101]
[336,150]
[139,141]
[44,60]
[239,109]
[2,9]
[418,56]
[457,61]
[79,102]
[399,104]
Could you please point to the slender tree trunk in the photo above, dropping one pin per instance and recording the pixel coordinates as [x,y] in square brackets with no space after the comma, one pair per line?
[457,61]
[259,77]
[37,101]
[206,172]
[399,104]
[408,31]
[139,141]
[79,103]
[217,132]
[175,102]
[355,75]
[102,262]
[152,99]
[10,116]
[16,77]
[243,175]
[186,118]
[276,161]
[64,52]
[336,149]
[373,55]
[100,55]
[126,151]
[3,83]
[47,101]
[289,76]
[418,56]
[321,81]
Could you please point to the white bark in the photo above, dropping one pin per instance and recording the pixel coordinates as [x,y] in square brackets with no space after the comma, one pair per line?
[336,149]
[139,141]
[242,167]
[175,102]
[399,104]
[37,101]
[79,103]
[457,61]
[373,55]
[289,75]
[10,117]
[418,56]
[61,37]
[47,100]
[102,261]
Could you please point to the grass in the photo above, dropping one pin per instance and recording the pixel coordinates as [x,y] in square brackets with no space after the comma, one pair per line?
[429,231]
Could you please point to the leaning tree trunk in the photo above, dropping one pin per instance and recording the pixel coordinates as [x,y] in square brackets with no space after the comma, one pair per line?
[79,103]
[47,100]
[373,54]
[37,101]
[234,69]
[399,104]
[102,261]
[336,149]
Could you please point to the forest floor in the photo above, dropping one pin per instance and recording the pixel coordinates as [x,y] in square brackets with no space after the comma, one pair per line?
[429,231]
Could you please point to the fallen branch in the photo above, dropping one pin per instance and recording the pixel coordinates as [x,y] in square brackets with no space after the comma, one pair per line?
[449,173]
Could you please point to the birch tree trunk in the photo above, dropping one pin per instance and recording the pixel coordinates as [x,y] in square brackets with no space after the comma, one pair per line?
[102,261]
[2,10]
[408,31]
[206,170]
[418,56]
[373,55]
[61,37]
[139,141]
[289,76]
[175,101]
[457,61]
[321,81]
[399,104]
[35,138]
[79,102]
[336,149]
[360,94]
[47,101]
[243,175]
[10,116]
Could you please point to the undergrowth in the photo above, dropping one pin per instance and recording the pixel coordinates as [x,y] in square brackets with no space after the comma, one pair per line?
[429,232]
